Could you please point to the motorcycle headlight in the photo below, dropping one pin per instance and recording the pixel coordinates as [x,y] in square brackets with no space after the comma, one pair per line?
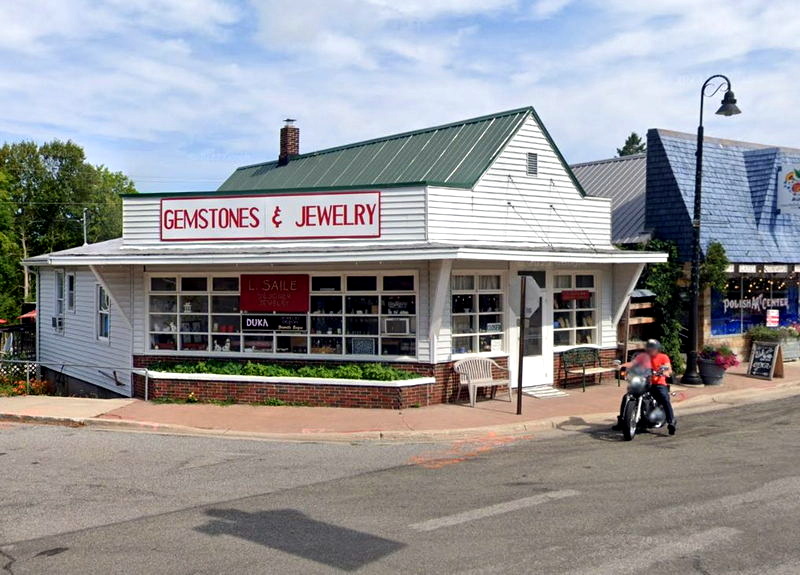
[636,382]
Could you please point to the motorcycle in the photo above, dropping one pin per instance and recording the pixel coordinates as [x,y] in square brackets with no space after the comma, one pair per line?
[641,411]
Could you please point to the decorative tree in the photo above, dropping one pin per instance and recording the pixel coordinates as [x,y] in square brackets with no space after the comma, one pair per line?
[713,271]
[633,145]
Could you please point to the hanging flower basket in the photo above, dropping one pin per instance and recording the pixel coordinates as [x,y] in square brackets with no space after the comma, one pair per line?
[714,362]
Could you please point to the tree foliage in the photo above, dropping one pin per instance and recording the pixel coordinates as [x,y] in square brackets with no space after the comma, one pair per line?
[633,145]
[713,272]
[668,281]
[45,191]
[665,281]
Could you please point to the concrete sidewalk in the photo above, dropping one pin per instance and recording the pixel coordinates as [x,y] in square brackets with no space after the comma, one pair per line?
[438,422]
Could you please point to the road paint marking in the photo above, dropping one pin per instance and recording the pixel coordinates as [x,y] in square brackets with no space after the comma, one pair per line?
[492,510]
[640,562]
[785,490]
[462,450]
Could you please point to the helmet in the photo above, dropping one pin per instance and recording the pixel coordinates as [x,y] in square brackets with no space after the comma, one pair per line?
[653,344]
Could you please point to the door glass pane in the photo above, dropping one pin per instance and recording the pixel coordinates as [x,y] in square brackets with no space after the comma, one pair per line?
[532,314]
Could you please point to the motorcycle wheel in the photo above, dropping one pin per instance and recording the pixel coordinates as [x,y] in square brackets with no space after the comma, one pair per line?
[629,421]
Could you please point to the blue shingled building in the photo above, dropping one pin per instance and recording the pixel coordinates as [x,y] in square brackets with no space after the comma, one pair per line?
[745,189]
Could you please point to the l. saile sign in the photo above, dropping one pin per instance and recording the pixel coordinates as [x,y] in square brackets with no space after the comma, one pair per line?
[271,217]
[275,293]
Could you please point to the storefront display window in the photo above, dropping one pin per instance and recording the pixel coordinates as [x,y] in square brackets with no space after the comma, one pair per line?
[202,314]
[574,310]
[745,302]
[477,314]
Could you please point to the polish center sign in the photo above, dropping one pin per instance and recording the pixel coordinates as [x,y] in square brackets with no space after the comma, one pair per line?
[272,217]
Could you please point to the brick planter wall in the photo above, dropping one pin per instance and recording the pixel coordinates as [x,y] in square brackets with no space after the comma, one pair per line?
[444,389]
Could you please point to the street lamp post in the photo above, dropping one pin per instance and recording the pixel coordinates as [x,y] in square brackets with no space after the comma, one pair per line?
[728,108]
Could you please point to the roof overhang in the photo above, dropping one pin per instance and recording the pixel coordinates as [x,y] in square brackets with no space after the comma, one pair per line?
[345,255]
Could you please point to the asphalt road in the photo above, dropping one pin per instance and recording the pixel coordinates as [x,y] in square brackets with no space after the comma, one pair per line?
[723,496]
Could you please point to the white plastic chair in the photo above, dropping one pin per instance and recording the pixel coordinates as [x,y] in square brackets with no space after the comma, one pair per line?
[476,372]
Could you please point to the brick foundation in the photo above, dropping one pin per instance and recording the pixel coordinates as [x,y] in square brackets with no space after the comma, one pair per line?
[444,389]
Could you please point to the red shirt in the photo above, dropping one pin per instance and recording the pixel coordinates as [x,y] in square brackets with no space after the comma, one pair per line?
[655,363]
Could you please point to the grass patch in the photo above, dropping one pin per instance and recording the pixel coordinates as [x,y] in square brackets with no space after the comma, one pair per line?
[277,402]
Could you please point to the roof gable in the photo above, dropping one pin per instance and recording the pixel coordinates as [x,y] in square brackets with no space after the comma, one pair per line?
[453,155]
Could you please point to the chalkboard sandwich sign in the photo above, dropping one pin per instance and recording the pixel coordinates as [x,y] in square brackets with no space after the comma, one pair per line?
[766,360]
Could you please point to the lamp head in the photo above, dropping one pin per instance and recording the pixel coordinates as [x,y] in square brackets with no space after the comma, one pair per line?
[729,107]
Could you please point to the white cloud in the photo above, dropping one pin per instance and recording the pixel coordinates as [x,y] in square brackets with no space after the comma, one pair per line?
[543,9]
[178,91]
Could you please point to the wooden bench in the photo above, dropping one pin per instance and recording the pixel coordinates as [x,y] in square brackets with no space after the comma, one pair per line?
[476,372]
[584,361]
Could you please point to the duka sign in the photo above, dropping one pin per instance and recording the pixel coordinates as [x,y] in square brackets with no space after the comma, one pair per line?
[271,217]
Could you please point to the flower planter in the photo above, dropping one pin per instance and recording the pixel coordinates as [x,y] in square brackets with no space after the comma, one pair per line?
[710,372]
[790,348]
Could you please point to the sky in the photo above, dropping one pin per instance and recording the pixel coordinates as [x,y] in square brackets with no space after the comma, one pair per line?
[178,93]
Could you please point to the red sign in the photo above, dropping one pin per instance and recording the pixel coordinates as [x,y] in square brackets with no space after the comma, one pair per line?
[773,317]
[285,293]
[576,295]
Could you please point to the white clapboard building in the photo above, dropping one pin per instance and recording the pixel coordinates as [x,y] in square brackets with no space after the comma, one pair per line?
[406,250]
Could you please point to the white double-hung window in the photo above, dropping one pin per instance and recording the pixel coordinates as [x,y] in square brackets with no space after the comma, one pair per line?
[477,313]
[58,301]
[103,314]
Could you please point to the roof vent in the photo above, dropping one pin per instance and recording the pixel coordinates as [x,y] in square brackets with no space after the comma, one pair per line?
[532,164]
[290,142]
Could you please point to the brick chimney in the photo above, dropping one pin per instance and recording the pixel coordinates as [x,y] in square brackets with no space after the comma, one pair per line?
[290,142]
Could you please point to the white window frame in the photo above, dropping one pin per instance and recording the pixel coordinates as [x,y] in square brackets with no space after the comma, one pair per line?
[597,309]
[102,309]
[476,292]
[71,291]
[310,316]
[59,302]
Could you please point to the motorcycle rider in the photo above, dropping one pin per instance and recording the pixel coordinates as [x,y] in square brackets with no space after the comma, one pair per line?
[659,362]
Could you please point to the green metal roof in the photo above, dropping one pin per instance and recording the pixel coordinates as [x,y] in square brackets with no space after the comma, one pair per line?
[453,155]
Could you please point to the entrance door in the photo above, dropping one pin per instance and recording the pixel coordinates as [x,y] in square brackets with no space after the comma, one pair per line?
[533,368]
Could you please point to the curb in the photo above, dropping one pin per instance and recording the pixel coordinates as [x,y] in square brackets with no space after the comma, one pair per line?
[703,404]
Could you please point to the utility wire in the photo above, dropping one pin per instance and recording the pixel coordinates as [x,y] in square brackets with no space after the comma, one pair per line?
[532,216]
[583,231]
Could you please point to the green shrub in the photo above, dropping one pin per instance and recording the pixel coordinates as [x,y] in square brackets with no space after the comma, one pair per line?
[378,372]
[351,371]
[367,371]
[264,370]
[764,333]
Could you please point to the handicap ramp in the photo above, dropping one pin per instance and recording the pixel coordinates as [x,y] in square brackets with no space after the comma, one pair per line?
[543,391]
